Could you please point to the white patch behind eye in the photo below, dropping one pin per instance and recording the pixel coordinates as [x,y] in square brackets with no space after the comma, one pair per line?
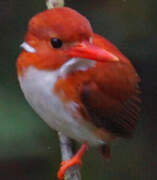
[28,47]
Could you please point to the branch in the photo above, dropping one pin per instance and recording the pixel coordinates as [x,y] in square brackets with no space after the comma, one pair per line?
[54,3]
[72,173]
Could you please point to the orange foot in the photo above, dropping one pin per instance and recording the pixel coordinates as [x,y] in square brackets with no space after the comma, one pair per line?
[65,165]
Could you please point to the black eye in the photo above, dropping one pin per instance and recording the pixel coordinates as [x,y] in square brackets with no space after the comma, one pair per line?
[56,43]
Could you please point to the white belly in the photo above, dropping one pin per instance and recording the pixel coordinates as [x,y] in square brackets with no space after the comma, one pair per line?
[37,86]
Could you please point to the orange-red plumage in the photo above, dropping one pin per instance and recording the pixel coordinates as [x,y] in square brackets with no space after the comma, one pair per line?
[107,89]
[42,27]
[60,22]
[106,93]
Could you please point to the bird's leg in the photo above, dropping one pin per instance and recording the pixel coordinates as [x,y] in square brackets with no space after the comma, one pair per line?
[76,159]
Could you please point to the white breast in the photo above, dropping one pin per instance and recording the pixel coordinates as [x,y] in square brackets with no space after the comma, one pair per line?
[37,86]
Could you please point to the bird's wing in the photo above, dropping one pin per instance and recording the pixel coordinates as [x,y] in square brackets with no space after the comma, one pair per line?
[107,94]
[110,113]
[111,97]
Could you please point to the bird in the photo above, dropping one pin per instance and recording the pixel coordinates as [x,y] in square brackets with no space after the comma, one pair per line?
[78,82]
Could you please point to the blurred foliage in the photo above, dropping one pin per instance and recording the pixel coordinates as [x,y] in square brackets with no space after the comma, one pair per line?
[29,148]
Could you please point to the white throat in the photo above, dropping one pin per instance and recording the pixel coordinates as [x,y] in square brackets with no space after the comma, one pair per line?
[38,86]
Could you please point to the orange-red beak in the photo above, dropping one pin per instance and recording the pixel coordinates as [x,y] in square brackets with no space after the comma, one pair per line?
[92,52]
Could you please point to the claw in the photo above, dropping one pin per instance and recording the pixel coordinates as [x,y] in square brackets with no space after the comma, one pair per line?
[76,160]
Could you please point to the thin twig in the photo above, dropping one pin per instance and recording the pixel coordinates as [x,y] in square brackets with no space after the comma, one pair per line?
[54,3]
[66,150]
[72,173]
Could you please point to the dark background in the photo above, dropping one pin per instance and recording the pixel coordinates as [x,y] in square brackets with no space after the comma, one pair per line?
[29,149]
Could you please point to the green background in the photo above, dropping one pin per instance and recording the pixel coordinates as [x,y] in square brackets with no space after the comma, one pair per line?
[29,149]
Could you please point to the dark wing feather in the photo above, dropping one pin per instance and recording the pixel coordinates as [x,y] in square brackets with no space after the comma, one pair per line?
[117,115]
[111,97]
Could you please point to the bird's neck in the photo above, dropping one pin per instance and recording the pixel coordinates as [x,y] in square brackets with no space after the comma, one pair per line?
[74,65]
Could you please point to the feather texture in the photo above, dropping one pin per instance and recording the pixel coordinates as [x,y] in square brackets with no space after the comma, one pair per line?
[107,94]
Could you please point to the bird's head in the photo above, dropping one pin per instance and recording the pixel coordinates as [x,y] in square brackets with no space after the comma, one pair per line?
[56,36]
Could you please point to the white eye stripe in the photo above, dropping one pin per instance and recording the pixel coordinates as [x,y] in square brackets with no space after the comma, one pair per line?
[27,47]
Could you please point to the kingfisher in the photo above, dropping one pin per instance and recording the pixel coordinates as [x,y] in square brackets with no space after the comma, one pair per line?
[78,82]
